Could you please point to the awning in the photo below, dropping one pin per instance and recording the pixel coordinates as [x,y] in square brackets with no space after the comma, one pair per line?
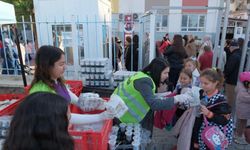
[7,13]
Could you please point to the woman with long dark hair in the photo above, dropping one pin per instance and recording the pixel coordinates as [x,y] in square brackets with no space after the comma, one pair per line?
[138,93]
[40,122]
[48,77]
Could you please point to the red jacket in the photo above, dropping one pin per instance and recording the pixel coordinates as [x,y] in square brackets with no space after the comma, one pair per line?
[1,44]
[163,46]
[206,60]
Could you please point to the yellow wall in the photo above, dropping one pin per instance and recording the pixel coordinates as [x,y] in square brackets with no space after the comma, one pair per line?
[115,6]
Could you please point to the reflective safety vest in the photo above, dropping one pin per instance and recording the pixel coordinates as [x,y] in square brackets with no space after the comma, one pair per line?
[137,106]
[41,87]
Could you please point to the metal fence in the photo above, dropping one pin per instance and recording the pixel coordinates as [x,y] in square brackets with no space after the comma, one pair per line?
[93,38]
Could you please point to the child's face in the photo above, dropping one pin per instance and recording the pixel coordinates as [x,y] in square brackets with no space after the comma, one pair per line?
[189,65]
[184,79]
[207,85]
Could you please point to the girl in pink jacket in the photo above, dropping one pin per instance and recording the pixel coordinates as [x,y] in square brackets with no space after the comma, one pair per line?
[242,106]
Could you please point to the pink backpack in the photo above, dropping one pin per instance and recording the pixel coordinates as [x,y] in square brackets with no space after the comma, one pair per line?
[213,137]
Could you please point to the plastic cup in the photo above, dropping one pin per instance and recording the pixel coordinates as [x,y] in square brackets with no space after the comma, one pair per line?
[122,127]
[128,135]
[114,130]
[113,137]
[137,129]
[112,144]
[146,133]
[137,133]
[136,145]
[137,138]
[129,128]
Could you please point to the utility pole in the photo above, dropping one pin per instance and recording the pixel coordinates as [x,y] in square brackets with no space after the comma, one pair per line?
[244,51]
[217,36]
[224,31]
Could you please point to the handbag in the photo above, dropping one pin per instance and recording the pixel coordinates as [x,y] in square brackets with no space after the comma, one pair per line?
[213,137]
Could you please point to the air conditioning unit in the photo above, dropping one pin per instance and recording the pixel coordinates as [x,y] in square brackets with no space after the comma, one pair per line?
[135,16]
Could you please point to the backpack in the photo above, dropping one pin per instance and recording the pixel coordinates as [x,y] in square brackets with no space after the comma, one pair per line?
[213,137]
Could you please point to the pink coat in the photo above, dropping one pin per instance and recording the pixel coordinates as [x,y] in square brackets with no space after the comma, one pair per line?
[242,101]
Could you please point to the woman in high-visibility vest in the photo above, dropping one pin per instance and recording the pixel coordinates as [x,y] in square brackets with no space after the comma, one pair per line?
[48,77]
[138,93]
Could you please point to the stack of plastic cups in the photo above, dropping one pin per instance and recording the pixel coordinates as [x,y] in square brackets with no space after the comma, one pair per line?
[129,128]
[122,127]
[112,144]
[136,145]
[114,130]
[128,134]
[113,138]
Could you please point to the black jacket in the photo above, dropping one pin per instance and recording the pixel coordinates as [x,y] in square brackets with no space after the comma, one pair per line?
[231,69]
[175,60]
[129,59]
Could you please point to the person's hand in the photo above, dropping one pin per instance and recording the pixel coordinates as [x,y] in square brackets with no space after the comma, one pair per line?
[183,99]
[204,110]
[162,88]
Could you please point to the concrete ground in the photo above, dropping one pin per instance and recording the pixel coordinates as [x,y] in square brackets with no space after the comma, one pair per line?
[13,83]
[165,140]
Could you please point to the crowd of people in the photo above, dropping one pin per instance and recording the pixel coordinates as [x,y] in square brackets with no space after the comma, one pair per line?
[182,67]
[10,63]
[190,65]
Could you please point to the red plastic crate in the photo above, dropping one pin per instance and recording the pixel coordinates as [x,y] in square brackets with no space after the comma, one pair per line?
[90,140]
[9,110]
[76,86]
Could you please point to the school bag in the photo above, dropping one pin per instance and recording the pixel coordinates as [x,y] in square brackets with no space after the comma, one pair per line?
[213,137]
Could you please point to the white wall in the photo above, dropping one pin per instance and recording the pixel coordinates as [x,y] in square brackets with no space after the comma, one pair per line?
[131,6]
[212,16]
[70,12]
[175,16]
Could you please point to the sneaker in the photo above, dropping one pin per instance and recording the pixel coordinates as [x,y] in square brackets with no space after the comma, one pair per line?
[240,140]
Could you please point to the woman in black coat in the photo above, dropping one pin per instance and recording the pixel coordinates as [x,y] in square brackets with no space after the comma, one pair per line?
[175,55]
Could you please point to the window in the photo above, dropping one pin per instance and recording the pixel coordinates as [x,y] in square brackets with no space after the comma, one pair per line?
[193,23]
[161,23]
[62,38]
[80,41]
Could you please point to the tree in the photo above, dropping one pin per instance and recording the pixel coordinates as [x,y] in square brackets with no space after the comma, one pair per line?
[22,8]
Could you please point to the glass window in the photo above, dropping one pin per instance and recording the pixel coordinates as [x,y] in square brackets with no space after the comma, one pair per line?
[202,21]
[62,38]
[164,20]
[193,22]
[184,21]
[161,23]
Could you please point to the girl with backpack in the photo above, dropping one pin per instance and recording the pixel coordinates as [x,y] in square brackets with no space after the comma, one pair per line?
[215,112]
